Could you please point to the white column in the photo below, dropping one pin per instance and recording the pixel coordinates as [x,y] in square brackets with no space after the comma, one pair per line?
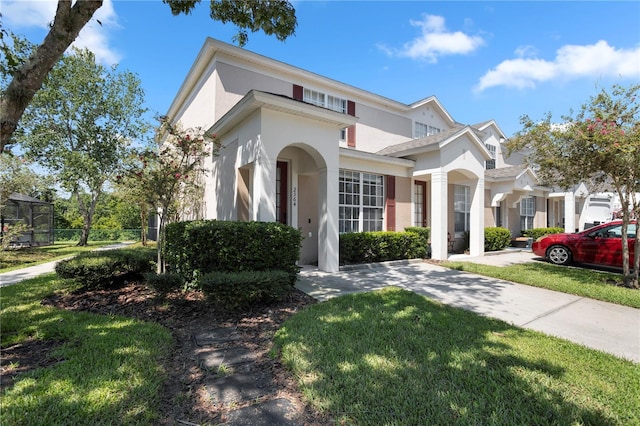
[328,236]
[439,203]
[569,212]
[476,227]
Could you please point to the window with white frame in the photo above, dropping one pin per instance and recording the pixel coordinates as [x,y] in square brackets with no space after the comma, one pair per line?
[527,212]
[461,208]
[361,201]
[343,134]
[491,164]
[337,104]
[418,204]
[421,130]
[333,103]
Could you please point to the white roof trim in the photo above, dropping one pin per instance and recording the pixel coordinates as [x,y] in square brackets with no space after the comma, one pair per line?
[255,100]
[497,198]
[368,156]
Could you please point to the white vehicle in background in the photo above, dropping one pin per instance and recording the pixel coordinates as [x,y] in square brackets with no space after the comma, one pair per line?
[599,208]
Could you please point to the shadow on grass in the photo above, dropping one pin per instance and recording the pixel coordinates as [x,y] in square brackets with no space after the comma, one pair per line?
[394,357]
[107,369]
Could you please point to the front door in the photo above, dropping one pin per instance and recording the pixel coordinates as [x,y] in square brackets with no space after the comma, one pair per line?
[420,204]
[282,191]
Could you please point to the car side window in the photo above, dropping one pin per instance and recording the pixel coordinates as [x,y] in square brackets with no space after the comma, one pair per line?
[614,232]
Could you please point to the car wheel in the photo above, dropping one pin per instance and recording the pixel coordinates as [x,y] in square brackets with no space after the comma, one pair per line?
[559,255]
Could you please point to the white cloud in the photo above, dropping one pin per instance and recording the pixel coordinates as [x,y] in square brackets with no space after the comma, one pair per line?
[25,14]
[571,62]
[435,41]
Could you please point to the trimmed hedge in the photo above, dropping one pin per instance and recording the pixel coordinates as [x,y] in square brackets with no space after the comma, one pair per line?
[237,290]
[381,246]
[536,233]
[423,232]
[496,238]
[108,268]
[164,284]
[195,248]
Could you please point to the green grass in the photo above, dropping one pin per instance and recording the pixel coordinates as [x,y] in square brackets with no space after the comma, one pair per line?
[15,259]
[108,370]
[578,281]
[393,357]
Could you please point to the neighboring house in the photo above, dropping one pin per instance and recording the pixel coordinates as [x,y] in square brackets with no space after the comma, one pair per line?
[326,158]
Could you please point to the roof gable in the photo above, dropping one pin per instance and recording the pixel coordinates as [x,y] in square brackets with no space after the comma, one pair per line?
[435,142]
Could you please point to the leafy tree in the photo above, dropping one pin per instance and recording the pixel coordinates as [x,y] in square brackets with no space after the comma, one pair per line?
[168,176]
[80,124]
[599,146]
[274,17]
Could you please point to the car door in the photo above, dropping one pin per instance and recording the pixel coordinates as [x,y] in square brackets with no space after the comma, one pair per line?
[602,247]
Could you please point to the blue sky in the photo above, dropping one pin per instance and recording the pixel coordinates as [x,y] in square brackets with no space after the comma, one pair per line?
[482,60]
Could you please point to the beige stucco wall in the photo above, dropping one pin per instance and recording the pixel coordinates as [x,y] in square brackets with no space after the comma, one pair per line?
[377,129]
[489,212]
[404,207]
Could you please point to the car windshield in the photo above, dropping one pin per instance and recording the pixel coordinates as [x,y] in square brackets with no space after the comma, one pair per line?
[614,232]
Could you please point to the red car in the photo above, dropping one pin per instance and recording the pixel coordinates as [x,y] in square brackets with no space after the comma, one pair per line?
[600,245]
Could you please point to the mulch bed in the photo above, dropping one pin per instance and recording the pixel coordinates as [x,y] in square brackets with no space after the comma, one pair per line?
[184,399]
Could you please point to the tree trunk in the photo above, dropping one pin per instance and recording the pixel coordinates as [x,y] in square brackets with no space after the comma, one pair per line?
[143,227]
[635,282]
[68,22]
[84,236]
[161,268]
[87,215]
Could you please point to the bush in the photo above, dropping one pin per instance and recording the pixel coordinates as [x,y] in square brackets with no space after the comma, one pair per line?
[164,284]
[424,232]
[237,290]
[108,268]
[536,233]
[363,247]
[496,238]
[195,248]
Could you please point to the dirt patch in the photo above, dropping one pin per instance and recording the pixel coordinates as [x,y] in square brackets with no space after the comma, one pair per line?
[23,357]
[184,398]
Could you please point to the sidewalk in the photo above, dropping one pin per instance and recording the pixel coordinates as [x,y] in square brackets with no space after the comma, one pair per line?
[599,325]
[13,277]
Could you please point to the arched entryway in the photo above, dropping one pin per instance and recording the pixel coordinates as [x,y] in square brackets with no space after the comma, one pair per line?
[301,198]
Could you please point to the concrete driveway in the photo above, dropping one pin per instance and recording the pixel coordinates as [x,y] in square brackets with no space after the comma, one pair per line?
[599,325]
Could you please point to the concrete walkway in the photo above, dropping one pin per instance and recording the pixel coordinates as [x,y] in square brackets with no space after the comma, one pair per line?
[599,325]
[13,277]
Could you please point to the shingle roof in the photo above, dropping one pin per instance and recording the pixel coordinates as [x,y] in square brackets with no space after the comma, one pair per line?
[505,172]
[393,150]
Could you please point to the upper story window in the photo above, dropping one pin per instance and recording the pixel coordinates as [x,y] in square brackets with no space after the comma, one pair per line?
[491,164]
[326,101]
[421,130]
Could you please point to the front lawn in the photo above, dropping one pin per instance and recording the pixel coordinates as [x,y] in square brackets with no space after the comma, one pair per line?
[397,358]
[103,370]
[15,259]
[579,281]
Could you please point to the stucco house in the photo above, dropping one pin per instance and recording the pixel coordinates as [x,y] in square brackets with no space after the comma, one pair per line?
[327,158]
